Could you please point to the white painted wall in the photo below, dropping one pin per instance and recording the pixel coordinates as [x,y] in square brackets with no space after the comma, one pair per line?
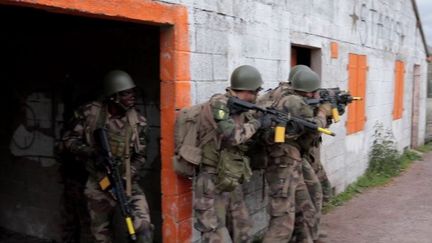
[227,33]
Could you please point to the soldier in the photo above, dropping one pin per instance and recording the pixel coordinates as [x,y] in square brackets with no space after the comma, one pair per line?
[312,153]
[288,192]
[127,137]
[224,167]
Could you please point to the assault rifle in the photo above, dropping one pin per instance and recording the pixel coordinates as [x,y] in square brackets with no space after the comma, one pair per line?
[337,98]
[113,180]
[284,121]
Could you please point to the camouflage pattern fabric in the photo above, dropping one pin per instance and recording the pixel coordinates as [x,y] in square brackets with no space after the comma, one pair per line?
[307,219]
[222,216]
[102,205]
[284,177]
[215,211]
[296,203]
[314,158]
[79,141]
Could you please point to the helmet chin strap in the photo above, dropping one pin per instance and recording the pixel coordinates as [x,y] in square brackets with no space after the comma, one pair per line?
[117,102]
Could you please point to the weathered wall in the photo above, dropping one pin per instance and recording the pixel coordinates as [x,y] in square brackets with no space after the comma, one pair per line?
[225,34]
[384,31]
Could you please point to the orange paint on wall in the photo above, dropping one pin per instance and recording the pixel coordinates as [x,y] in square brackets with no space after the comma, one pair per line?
[334,49]
[175,87]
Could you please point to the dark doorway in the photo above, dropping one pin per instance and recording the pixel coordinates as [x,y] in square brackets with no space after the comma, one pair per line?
[305,55]
[51,64]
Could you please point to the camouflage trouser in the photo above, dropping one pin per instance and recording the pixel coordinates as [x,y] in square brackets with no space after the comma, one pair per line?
[102,207]
[287,188]
[220,213]
[307,218]
[315,161]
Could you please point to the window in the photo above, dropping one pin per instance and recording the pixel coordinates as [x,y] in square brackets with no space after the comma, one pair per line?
[399,90]
[306,55]
[357,68]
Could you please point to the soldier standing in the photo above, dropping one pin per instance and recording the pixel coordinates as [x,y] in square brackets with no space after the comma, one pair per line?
[126,131]
[224,167]
[285,170]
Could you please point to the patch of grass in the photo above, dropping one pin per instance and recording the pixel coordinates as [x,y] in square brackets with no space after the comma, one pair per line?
[425,148]
[384,163]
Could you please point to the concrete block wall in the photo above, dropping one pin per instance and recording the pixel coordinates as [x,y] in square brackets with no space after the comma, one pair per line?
[225,34]
[384,31]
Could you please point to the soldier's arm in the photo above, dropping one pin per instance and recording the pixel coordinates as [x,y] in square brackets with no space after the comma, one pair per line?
[232,133]
[74,140]
[139,152]
[296,105]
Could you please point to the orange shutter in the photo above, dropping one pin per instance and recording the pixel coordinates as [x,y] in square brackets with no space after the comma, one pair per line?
[361,92]
[357,70]
[352,87]
[399,90]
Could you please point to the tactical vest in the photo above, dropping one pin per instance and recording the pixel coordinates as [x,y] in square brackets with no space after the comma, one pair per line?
[231,163]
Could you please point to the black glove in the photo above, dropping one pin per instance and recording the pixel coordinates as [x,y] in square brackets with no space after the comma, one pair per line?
[294,128]
[266,121]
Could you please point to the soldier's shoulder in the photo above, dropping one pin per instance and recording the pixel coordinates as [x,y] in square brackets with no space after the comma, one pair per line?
[218,97]
[293,99]
[218,100]
[86,110]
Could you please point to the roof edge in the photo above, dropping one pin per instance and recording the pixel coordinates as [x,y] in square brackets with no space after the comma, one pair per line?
[419,24]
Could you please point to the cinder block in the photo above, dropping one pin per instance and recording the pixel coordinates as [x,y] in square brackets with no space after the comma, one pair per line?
[201,66]
[211,41]
[206,89]
[220,67]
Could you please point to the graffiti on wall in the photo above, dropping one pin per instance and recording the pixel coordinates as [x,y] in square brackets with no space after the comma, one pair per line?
[378,25]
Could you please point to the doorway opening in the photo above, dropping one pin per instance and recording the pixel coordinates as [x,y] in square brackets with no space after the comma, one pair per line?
[306,55]
[48,71]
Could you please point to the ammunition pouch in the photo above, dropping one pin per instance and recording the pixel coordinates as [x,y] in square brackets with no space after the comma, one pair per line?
[233,169]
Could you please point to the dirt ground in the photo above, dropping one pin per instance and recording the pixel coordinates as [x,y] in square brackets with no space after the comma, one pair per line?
[398,212]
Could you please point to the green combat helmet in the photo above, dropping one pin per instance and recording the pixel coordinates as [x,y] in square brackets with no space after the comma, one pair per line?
[116,81]
[306,81]
[246,78]
[295,70]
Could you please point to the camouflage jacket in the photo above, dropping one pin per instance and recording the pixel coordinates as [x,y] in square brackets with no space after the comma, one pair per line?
[285,99]
[130,128]
[232,131]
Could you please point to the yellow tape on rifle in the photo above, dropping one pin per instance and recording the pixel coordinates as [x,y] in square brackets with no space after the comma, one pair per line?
[279,134]
[326,131]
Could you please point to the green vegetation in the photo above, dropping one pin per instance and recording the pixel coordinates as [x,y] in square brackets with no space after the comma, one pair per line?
[425,148]
[385,162]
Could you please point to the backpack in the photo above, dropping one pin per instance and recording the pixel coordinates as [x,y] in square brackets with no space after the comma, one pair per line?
[190,122]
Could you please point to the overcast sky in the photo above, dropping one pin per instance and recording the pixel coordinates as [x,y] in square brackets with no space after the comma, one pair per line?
[425,9]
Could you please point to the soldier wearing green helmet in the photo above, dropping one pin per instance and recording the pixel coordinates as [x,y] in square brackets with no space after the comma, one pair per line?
[289,195]
[306,83]
[224,166]
[127,135]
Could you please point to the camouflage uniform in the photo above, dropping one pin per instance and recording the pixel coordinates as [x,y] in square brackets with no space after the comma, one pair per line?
[218,196]
[288,192]
[304,231]
[128,129]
